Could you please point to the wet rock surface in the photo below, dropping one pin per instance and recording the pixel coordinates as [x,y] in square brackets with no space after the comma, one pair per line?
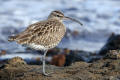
[106,68]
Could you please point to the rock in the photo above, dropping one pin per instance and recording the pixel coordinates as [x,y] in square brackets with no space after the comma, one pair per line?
[113,43]
[113,54]
[65,57]
[58,60]
[16,61]
[72,57]
[103,69]
[3,52]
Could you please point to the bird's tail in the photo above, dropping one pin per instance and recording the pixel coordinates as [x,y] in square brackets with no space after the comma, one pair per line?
[12,38]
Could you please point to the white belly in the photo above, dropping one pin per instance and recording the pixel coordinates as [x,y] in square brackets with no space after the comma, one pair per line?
[41,47]
[37,47]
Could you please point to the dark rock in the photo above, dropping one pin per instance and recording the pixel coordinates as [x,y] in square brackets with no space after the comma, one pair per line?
[71,58]
[113,43]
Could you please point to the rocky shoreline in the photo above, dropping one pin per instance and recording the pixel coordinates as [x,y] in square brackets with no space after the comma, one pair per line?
[106,68]
[68,65]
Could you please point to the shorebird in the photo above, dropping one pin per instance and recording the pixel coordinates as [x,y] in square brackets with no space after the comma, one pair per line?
[44,35]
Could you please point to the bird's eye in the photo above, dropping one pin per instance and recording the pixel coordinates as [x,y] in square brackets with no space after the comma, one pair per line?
[58,15]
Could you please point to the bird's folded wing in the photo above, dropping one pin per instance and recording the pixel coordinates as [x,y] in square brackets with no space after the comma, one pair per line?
[36,30]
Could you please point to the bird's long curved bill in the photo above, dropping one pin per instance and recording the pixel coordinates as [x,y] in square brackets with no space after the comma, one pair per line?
[74,20]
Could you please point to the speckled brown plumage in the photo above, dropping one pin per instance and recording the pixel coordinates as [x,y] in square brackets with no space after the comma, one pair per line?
[47,33]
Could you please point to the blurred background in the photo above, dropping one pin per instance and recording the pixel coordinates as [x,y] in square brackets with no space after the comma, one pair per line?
[101,18]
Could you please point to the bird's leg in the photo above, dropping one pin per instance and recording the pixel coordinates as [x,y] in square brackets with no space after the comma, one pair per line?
[44,73]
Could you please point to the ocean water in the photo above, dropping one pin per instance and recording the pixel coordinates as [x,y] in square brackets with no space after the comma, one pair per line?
[101,18]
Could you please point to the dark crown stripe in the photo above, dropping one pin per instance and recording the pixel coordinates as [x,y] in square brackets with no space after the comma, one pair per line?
[58,12]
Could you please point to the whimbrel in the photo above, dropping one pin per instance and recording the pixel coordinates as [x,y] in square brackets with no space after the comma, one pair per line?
[44,35]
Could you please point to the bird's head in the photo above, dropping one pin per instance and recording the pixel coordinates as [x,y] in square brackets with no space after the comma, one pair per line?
[60,16]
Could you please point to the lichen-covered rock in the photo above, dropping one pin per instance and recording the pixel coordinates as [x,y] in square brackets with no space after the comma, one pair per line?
[113,54]
[16,61]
